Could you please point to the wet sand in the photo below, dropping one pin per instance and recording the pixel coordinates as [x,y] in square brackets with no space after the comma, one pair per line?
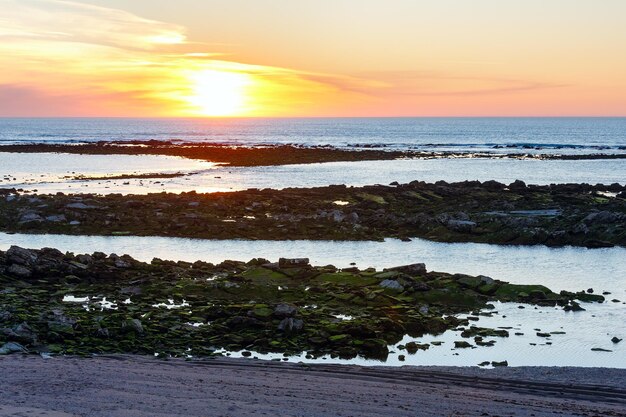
[136,386]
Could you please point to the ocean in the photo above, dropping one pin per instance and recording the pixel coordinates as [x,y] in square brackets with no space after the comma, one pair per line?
[502,135]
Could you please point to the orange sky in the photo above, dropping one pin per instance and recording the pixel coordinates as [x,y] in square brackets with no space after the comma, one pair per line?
[313,58]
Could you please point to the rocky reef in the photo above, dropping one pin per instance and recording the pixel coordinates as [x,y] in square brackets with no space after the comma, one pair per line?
[61,303]
[470,211]
[265,155]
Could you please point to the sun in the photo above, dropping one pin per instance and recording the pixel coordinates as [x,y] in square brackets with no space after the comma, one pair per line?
[220,93]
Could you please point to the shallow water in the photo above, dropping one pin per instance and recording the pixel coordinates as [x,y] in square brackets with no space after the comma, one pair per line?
[567,268]
[46,172]
[58,169]
[583,331]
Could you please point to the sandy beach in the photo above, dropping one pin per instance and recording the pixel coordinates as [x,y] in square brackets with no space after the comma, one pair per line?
[133,386]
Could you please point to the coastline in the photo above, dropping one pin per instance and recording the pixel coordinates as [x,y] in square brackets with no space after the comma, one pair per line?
[272,155]
[238,387]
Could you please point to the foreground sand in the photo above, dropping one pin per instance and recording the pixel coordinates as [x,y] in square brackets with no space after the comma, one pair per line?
[133,386]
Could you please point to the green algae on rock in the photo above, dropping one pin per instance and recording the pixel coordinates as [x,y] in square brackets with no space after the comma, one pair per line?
[83,304]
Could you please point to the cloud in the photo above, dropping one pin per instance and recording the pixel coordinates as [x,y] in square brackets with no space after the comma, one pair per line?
[67,21]
[111,62]
[436,83]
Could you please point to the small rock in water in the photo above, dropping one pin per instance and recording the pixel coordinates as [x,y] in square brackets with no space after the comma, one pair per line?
[502,363]
[600,350]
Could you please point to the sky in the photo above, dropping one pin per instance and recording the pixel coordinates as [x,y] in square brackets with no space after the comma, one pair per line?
[306,58]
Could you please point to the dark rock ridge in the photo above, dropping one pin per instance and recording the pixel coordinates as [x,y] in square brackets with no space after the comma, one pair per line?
[269,154]
[83,304]
[470,211]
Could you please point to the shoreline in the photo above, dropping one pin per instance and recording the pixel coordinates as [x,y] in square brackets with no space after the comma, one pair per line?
[229,387]
[271,155]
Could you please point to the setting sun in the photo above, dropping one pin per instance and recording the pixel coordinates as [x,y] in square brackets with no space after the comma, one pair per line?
[220,93]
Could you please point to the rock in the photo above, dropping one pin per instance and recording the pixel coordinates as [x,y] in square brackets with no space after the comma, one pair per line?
[5,315]
[493,185]
[56,218]
[412,269]
[60,327]
[285,310]
[22,333]
[413,347]
[486,280]
[461,226]
[601,217]
[122,264]
[19,271]
[103,333]
[289,325]
[462,344]
[517,185]
[580,229]
[84,259]
[540,334]
[600,350]
[30,217]
[503,363]
[80,206]
[392,285]
[21,256]
[12,347]
[133,326]
[293,262]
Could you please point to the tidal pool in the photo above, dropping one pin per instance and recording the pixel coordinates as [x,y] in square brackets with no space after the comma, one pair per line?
[568,268]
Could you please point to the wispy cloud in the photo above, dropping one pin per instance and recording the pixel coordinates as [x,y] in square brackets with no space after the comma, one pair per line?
[112,62]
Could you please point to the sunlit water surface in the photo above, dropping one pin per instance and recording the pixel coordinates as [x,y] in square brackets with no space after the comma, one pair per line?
[567,268]
[51,173]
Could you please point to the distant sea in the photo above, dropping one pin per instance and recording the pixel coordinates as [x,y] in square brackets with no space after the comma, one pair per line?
[508,135]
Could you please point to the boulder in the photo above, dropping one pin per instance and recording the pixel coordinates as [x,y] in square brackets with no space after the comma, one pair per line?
[21,256]
[133,326]
[392,285]
[30,217]
[289,325]
[517,185]
[19,271]
[601,217]
[285,310]
[21,333]
[412,269]
[12,347]
[79,206]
